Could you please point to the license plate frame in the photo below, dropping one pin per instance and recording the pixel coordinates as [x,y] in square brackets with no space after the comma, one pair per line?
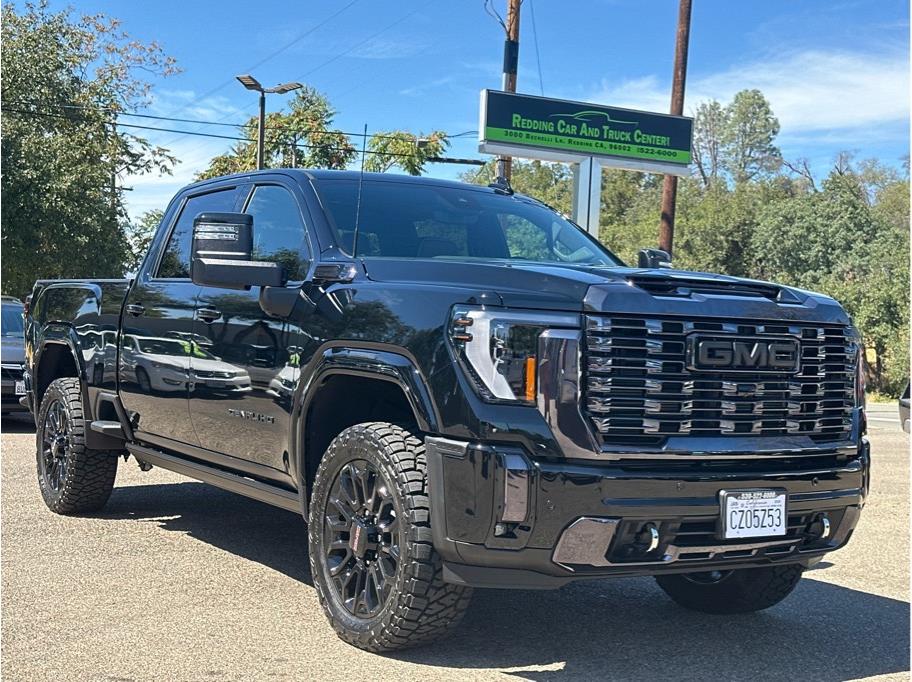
[19,388]
[744,513]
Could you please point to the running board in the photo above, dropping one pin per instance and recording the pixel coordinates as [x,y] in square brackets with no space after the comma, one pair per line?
[248,487]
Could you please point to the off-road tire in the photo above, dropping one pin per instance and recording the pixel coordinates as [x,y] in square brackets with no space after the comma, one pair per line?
[740,591]
[89,474]
[420,606]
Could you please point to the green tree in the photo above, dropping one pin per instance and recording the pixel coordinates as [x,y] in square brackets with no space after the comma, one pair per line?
[748,134]
[139,236]
[303,137]
[551,183]
[398,148]
[65,79]
[711,121]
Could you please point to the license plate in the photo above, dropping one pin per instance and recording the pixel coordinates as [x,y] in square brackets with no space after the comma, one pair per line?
[753,513]
[20,388]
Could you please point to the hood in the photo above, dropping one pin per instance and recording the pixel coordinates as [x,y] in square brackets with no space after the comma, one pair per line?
[598,289]
[12,349]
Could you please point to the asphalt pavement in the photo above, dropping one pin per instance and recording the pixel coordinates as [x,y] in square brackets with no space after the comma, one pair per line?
[175,580]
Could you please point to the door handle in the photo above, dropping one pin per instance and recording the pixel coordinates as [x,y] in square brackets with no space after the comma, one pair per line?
[208,314]
[135,309]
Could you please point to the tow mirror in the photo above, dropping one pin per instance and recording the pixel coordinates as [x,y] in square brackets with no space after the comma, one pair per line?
[654,258]
[222,251]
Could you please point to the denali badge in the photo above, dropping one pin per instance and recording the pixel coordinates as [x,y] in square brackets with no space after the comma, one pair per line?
[727,354]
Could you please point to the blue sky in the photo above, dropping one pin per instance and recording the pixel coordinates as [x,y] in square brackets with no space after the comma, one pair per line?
[836,73]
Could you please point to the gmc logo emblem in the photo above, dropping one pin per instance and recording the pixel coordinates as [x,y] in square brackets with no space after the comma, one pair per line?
[721,353]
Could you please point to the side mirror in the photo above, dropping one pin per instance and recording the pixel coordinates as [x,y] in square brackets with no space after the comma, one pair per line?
[654,258]
[222,250]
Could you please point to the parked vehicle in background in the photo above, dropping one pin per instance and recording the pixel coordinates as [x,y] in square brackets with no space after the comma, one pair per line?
[163,364]
[904,409]
[456,387]
[12,350]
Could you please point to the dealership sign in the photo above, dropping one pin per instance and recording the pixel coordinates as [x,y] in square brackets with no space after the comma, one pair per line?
[561,130]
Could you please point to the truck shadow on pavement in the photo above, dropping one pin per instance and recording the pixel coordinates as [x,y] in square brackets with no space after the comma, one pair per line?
[603,629]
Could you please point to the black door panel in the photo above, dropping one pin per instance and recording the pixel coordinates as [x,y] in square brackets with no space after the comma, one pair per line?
[158,341]
[241,387]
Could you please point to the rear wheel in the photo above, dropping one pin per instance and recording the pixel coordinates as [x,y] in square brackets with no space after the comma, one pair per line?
[72,477]
[728,592]
[377,575]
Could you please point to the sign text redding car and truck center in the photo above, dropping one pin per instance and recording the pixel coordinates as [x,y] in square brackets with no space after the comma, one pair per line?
[561,130]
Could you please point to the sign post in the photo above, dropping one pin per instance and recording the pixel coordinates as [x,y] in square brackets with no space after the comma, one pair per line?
[587,135]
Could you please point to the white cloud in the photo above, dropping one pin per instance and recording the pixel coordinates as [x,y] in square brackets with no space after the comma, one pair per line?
[809,91]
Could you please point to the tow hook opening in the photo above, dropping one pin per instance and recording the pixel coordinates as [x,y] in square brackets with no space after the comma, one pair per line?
[645,541]
[818,529]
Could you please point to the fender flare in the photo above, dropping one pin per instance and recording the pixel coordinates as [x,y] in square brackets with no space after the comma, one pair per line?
[370,361]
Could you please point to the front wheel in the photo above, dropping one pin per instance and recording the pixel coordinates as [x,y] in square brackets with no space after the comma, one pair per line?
[73,478]
[728,592]
[377,575]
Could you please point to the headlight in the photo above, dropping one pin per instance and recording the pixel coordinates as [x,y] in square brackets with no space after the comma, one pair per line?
[497,349]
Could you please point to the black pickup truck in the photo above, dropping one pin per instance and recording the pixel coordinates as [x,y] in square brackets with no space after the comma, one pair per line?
[456,387]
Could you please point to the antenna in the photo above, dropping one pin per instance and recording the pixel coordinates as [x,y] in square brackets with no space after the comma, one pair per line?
[360,187]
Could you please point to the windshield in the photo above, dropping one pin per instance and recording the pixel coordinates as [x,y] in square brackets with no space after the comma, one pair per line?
[411,220]
[12,320]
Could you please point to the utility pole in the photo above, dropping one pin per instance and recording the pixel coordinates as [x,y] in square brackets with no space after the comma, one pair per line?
[510,64]
[670,184]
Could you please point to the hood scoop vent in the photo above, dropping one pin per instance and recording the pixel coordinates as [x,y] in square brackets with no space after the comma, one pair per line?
[684,287]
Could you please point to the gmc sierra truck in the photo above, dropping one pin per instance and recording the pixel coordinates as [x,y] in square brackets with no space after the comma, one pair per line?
[456,387]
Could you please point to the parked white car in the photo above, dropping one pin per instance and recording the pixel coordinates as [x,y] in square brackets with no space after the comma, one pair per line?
[161,364]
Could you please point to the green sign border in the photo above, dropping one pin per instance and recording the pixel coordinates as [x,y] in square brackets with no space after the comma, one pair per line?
[500,130]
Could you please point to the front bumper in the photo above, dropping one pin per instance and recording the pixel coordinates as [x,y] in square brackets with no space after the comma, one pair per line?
[9,399]
[503,519]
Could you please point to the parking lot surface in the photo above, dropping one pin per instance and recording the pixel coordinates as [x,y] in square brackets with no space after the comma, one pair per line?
[176,580]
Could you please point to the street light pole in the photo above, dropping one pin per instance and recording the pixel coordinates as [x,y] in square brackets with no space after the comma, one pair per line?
[261,133]
[252,83]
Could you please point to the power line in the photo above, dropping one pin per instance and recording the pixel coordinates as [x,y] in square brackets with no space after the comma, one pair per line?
[359,44]
[299,145]
[277,52]
[118,113]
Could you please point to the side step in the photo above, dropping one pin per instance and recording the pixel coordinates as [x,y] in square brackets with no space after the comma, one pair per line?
[108,428]
[257,490]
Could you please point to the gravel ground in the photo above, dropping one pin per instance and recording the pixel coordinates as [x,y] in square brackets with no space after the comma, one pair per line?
[179,581]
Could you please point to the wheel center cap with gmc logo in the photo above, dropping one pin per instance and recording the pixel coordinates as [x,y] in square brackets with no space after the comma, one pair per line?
[708,353]
[358,538]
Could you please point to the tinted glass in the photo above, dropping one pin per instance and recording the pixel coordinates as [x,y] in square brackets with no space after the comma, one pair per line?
[12,320]
[278,231]
[175,261]
[406,220]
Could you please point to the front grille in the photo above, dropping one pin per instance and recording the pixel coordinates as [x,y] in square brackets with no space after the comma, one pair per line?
[639,389]
[212,374]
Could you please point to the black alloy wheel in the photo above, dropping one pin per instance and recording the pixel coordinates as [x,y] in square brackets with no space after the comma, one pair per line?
[55,445]
[361,538]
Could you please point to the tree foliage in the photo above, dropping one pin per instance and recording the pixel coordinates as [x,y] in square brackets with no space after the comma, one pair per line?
[65,77]
[398,148]
[303,137]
